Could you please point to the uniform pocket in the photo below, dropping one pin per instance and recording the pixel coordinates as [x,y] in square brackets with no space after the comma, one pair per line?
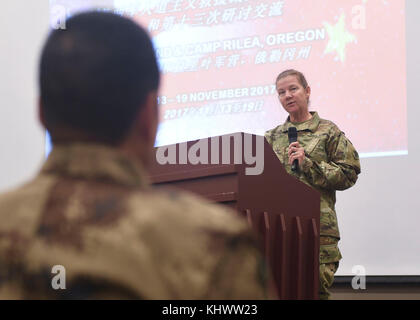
[312,145]
[316,148]
[329,253]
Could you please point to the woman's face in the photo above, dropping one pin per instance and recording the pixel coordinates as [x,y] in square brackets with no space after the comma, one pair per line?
[293,96]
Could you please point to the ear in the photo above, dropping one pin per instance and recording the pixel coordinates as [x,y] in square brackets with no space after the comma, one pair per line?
[41,115]
[148,119]
[308,92]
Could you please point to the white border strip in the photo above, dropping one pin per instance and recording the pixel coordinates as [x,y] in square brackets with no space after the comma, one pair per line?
[48,147]
[383,154]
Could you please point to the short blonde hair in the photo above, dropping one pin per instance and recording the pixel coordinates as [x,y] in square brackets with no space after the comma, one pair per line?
[291,72]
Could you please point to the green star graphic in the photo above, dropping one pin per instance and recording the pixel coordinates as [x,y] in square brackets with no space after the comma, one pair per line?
[339,38]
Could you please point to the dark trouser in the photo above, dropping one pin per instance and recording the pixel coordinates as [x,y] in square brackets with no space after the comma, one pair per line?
[326,279]
[329,257]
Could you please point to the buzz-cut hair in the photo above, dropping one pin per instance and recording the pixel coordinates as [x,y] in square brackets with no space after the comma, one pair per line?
[96,74]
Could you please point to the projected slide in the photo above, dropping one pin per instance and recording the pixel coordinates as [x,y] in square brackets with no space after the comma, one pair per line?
[219,60]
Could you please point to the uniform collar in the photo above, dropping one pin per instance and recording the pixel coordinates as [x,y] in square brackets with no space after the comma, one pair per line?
[95,162]
[308,125]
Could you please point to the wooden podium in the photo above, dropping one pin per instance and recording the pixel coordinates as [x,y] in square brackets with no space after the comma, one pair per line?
[284,211]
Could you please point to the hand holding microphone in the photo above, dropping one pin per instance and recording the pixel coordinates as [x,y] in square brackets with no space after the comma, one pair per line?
[296,153]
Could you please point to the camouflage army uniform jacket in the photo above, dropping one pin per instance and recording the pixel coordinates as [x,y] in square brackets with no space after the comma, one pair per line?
[331,163]
[92,211]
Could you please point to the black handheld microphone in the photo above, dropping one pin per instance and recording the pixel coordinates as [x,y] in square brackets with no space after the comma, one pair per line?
[292,134]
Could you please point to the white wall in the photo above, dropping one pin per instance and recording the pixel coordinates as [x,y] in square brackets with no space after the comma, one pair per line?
[379,218]
[23,26]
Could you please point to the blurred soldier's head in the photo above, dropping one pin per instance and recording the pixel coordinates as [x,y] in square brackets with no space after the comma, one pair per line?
[98,83]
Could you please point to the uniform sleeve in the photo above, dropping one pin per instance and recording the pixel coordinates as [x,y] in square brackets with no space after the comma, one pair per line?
[241,273]
[268,137]
[342,168]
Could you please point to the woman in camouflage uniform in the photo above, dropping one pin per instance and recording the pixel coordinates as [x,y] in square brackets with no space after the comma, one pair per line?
[327,162]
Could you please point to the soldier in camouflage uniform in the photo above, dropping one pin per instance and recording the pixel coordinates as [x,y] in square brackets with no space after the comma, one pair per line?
[91,209]
[327,162]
